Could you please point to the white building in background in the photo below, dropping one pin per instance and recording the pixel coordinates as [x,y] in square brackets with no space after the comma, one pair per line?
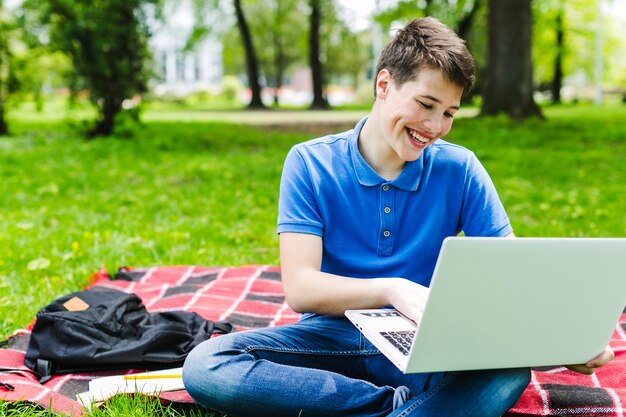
[178,71]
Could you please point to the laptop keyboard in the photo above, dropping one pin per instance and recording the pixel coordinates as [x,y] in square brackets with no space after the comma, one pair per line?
[401,340]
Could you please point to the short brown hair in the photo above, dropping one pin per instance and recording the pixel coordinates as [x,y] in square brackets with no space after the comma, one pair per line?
[427,43]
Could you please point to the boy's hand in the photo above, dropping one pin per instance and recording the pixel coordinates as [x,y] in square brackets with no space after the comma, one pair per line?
[407,297]
[595,363]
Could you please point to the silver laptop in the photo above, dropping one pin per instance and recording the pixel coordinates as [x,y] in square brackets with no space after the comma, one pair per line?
[506,303]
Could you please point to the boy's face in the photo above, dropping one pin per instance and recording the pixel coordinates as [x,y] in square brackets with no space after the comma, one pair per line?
[417,113]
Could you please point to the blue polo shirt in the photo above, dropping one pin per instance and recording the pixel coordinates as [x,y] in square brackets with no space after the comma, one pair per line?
[371,227]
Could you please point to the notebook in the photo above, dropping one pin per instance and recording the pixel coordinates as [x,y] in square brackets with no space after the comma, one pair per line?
[149,383]
[506,303]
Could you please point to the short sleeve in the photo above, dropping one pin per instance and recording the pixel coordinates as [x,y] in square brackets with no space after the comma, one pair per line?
[297,205]
[483,213]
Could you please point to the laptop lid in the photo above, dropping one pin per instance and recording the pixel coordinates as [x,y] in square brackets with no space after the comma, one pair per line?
[503,303]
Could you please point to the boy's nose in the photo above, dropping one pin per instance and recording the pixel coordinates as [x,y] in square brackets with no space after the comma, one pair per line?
[433,125]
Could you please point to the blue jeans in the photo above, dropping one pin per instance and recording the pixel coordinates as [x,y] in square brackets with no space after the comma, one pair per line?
[322,366]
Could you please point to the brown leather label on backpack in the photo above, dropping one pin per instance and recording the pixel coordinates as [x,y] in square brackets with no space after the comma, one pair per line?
[75,304]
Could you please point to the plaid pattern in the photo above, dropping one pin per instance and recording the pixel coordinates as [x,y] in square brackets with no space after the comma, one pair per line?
[248,297]
[561,392]
[251,297]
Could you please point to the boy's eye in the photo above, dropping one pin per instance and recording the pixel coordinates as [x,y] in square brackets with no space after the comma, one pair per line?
[448,115]
[424,105]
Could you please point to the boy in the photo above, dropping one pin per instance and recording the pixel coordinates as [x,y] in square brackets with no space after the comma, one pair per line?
[362,215]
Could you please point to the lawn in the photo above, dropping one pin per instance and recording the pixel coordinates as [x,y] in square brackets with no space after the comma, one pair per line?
[192,193]
[205,193]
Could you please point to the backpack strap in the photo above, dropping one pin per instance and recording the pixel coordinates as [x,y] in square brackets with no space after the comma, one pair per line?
[223,327]
[44,370]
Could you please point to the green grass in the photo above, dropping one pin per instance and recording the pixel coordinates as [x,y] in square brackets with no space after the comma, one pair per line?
[118,406]
[199,193]
[561,177]
[206,193]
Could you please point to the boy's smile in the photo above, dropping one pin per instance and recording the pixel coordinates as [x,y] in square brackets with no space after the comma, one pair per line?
[418,139]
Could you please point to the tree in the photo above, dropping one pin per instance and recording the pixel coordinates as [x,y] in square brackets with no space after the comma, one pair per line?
[550,51]
[509,77]
[283,41]
[5,69]
[317,69]
[347,52]
[280,26]
[252,64]
[213,17]
[464,25]
[107,42]
[564,35]
[557,81]
[10,77]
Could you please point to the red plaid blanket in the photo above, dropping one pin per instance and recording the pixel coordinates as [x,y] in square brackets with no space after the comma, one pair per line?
[252,297]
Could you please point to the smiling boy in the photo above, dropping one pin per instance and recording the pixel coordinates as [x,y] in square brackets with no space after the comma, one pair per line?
[362,216]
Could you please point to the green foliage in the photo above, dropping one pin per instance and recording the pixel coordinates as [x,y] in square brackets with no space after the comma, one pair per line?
[226,99]
[346,53]
[107,41]
[142,406]
[118,406]
[179,193]
[279,28]
[231,86]
[450,13]
[403,12]
[580,19]
[128,123]
[22,409]
[561,177]
[9,79]
[40,70]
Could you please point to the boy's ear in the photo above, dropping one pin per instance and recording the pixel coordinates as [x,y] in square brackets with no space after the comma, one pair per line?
[383,80]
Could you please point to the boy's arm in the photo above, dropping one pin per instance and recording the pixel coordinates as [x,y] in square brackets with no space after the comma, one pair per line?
[308,290]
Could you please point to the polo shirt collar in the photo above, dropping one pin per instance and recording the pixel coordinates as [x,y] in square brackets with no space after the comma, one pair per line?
[408,180]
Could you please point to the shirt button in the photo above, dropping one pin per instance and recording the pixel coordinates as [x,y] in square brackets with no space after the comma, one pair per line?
[386,233]
[385,187]
[387,210]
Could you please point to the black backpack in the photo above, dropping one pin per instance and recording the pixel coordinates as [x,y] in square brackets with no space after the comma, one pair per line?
[107,329]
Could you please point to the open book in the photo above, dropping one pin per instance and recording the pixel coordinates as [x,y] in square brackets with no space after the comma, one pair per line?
[155,382]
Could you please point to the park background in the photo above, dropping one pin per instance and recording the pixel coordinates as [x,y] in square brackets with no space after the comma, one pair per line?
[153,132]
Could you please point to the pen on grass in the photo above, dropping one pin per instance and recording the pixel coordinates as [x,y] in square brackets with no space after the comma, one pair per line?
[153,376]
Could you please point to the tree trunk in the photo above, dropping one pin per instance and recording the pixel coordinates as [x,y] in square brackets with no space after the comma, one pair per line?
[428,8]
[465,25]
[279,66]
[509,76]
[108,111]
[464,28]
[557,81]
[317,71]
[4,128]
[252,65]
[4,81]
